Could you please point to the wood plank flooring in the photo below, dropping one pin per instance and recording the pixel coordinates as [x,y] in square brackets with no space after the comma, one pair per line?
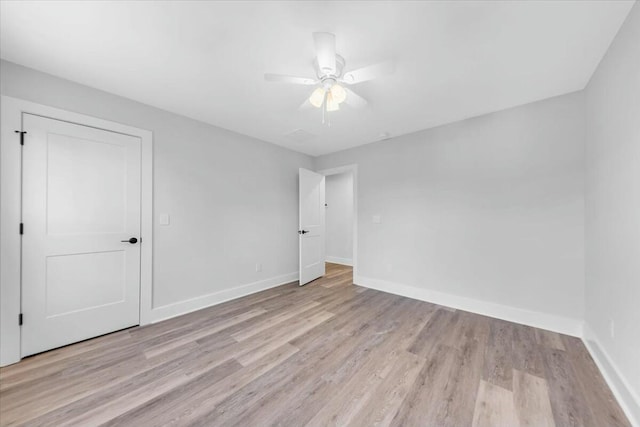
[329,353]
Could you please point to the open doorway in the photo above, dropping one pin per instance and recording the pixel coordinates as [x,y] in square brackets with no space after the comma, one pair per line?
[340,218]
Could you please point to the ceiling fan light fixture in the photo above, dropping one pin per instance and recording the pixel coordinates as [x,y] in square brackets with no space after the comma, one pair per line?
[317,97]
[338,93]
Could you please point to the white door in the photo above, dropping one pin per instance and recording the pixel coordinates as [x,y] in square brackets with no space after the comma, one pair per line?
[81,206]
[311,230]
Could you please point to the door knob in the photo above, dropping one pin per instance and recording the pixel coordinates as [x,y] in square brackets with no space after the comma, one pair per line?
[132,240]
[303,231]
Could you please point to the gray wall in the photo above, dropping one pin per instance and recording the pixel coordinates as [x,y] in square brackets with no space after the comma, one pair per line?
[232,199]
[613,206]
[339,217]
[490,208]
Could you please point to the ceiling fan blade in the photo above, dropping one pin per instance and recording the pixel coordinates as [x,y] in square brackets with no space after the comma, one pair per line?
[369,72]
[306,105]
[354,100]
[281,78]
[326,52]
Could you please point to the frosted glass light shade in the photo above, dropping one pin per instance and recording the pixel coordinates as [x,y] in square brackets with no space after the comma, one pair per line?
[317,97]
[332,104]
[338,93]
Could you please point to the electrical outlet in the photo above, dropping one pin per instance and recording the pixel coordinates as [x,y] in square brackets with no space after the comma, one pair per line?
[612,328]
[258,268]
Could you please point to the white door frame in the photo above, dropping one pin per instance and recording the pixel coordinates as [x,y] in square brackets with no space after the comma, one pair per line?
[353,168]
[11,213]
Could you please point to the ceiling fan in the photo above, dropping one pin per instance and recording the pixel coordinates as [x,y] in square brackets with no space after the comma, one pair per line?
[331,80]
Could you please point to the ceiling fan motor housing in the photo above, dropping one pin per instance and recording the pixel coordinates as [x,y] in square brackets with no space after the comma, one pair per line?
[339,68]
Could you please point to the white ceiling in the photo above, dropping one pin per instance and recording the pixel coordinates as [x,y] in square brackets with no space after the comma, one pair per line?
[206,60]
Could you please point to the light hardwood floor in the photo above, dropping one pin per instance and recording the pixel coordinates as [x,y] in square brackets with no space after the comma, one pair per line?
[329,353]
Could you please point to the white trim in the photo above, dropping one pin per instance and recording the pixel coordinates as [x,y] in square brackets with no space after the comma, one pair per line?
[182,307]
[629,401]
[338,260]
[10,203]
[353,168]
[563,325]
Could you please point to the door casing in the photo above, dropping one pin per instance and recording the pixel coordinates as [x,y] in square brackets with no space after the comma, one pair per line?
[12,110]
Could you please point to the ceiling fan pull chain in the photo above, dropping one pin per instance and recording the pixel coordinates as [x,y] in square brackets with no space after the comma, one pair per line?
[324,107]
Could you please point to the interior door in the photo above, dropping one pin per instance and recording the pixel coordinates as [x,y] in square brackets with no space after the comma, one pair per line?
[311,231]
[81,238]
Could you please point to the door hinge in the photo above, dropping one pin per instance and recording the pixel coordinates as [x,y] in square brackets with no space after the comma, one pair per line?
[21,228]
[20,319]
[21,136]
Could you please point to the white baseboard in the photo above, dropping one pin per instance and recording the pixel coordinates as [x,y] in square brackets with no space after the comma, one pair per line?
[187,306]
[624,394]
[338,260]
[551,322]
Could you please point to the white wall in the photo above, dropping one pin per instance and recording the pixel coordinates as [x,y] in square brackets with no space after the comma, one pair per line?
[486,213]
[339,218]
[232,199]
[612,221]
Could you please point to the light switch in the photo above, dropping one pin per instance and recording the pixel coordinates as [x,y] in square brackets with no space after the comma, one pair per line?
[377,219]
[164,219]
